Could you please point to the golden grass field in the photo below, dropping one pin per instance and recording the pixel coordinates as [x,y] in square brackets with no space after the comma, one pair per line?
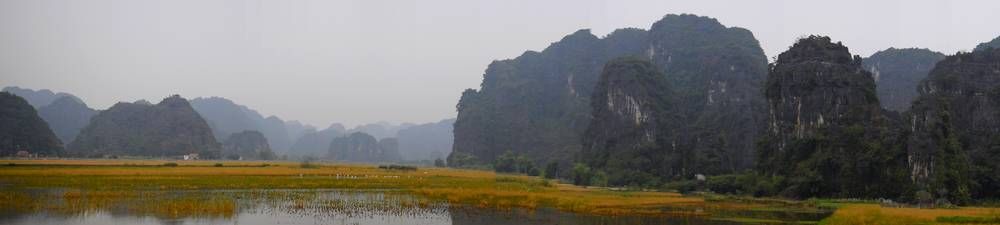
[105,182]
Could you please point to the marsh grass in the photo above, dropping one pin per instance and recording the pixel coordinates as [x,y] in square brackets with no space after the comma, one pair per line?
[853,213]
[96,184]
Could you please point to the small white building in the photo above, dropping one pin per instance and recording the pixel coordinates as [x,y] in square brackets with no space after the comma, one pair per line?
[192,156]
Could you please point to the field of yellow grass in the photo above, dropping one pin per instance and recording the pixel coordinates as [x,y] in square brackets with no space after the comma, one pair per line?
[101,183]
[873,214]
[469,187]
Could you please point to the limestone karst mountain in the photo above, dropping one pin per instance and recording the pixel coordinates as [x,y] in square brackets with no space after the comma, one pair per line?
[362,147]
[428,141]
[954,146]
[898,72]
[995,43]
[538,104]
[170,128]
[247,145]
[226,117]
[21,129]
[380,130]
[317,143]
[66,116]
[825,125]
[631,134]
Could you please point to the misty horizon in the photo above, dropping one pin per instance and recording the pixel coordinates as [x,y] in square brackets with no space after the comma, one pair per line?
[360,62]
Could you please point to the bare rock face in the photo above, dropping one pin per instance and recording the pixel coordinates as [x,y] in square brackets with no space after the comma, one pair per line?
[898,72]
[247,145]
[825,123]
[631,135]
[954,146]
[168,129]
[538,104]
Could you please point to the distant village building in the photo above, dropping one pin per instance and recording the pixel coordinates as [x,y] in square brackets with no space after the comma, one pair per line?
[192,156]
[23,154]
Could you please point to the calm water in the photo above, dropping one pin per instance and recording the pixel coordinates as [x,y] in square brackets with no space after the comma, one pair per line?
[308,207]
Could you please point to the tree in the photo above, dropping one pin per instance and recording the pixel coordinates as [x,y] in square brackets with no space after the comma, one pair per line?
[581,174]
[552,170]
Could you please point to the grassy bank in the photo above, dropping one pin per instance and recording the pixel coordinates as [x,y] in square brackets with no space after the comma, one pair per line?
[850,214]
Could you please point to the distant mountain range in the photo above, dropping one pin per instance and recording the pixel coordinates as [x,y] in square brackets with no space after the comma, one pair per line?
[65,113]
[226,118]
[427,141]
[37,98]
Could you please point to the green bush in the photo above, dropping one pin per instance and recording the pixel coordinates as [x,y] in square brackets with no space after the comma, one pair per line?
[170,164]
[218,164]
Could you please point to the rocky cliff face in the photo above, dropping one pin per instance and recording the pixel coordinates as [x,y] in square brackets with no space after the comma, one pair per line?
[631,135]
[247,145]
[66,116]
[898,72]
[361,147]
[717,73]
[825,124]
[538,104]
[954,145]
[167,129]
[21,129]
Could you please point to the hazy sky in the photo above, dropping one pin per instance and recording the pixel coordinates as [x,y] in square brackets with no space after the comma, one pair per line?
[399,61]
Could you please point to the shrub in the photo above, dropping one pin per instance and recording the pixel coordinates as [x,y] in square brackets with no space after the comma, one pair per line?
[439,163]
[397,167]
[218,164]
[307,162]
[170,164]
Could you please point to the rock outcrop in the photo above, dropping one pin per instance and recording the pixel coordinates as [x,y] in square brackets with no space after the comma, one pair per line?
[247,145]
[170,128]
[825,126]
[631,135]
[538,104]
[66,116]
[954,146]
[898,72]
[21,129]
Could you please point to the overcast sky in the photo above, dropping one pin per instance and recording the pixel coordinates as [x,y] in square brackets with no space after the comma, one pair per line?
[400,61]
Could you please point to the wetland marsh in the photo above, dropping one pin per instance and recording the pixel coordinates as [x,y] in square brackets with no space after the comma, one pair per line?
[232,192]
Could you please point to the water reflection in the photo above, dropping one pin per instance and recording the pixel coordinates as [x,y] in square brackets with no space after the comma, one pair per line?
[386,207]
